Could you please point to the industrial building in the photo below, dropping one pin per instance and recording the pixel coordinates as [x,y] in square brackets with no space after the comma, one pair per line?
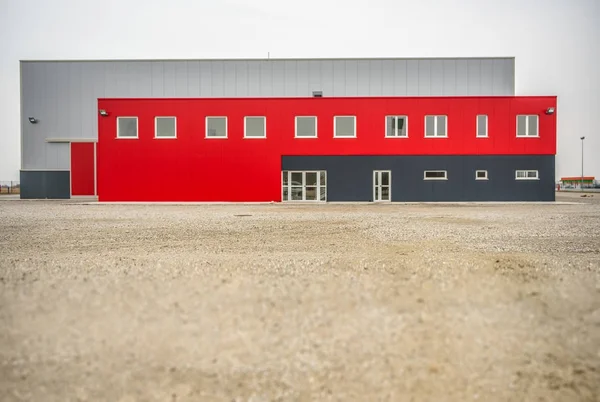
[312,130]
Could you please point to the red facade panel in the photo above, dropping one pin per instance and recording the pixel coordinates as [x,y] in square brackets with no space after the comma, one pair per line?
[82,168]
[193,168]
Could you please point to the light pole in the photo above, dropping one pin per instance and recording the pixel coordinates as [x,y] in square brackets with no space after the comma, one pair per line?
[582,138]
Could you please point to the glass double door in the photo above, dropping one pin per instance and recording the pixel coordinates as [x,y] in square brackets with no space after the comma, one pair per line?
[382,185]
[304,185]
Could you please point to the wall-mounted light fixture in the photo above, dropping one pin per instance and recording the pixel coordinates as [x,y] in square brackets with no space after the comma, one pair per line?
[103,112]
[550,110]
[317,94]
[32,120]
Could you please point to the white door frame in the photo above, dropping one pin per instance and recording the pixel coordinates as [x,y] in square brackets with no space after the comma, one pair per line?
[377,185]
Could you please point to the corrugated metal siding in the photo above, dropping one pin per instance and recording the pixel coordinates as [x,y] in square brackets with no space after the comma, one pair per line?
[63,94]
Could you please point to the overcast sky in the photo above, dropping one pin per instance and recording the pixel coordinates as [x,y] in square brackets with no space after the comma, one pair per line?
[556,44]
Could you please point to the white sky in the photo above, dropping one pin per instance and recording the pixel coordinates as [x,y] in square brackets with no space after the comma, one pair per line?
[556,44]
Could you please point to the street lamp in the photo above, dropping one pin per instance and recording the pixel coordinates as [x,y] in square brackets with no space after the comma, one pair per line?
[582,138]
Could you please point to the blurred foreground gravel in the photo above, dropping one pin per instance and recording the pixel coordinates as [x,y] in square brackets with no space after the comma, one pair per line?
[300,302]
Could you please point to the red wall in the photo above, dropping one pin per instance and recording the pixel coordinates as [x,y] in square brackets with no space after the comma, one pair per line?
[192,168]
[82,168]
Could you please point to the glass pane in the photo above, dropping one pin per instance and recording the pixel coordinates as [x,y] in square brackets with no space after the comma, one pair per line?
[521,125]
[533,126]
[429,126]
[435,174]
[296,193]
[286,193]
[127,127]
[390,126]
[306,127]
[296,178]
[165,127]
[377,188]
[441,126]
[344,126]
[255,127]
[385,178]
[322,178]
[311,178]
[311,193]
[520,173]
[216,127]
[285,177]
[376,178]
[402,126]
[385,193]
[481,174]
[532,174]
[481,125]
[323,193]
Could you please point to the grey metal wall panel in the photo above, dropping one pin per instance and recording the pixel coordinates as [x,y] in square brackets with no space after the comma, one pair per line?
[58,156]
[49,184]
[424,73]
[449,74]
[63,94]
[412,78]
[474,77]
[350,178]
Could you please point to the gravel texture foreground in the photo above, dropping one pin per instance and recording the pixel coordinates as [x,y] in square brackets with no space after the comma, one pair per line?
[300,302]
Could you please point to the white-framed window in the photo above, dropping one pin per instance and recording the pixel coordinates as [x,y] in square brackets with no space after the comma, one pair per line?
[127,127]
[304,185]
[216,127]
[165,127]
[528,125]
[435,175]
[481,175]
[396,126]
[527,175]
[255,127]
[344,127]
[306,127]
[436,126]
[482,126]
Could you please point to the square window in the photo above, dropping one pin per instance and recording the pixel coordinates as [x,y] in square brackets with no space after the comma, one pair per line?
[482,126]
[216,127]
[127,127]
[255,127]
[165,127]
[436,126]
[481,175]
[344,127]
[527,126]
[306,127]
[396,126]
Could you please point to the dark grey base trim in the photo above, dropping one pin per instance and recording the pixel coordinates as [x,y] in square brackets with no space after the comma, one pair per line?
[54,184]
[350,178]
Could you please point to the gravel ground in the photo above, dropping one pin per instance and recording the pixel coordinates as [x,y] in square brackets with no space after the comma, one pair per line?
[300,302]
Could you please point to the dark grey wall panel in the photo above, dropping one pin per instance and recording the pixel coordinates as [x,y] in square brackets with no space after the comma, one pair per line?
[63,95]
[350,178]
[45,184]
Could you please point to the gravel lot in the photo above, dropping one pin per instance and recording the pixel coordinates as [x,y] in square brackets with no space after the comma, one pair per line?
[445,302]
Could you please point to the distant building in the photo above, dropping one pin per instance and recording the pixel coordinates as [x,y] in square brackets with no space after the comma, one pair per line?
[285,130]
[575,182]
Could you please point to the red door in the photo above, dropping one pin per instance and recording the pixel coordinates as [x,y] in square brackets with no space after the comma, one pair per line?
[83,168]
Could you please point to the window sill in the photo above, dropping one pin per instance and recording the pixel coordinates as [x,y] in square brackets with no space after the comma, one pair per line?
[482,137]
[397,136]
[342,137]
[127,138]
[255,138]
[481,179]
[526,178]
[215,138]
[436,136]
[165,138]
[306,137]
[528,136]
[435,179]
